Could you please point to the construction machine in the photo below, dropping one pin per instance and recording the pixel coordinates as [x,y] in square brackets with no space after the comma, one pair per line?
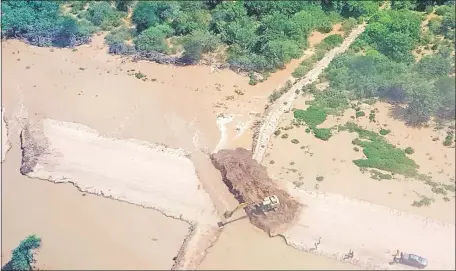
[269,203]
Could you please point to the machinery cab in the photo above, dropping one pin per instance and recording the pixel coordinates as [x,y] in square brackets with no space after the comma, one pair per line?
[270,203]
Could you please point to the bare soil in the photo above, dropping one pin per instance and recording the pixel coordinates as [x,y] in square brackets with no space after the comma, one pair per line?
[248,181]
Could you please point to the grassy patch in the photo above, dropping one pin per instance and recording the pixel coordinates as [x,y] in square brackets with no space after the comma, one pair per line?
[380,154]
[276,94]
[312,116]
[324,104]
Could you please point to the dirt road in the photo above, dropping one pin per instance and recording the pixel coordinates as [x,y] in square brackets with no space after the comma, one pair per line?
[372,231]
[271,120]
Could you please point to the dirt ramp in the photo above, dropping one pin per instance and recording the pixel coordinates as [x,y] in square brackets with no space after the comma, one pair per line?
[249,181]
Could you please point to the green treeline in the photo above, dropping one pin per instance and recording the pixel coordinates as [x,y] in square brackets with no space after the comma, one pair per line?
[258,35]
[263,36]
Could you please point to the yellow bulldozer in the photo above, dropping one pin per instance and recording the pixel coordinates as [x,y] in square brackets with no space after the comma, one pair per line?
[270,203]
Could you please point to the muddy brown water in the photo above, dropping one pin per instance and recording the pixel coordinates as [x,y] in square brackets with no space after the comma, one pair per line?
[88,86]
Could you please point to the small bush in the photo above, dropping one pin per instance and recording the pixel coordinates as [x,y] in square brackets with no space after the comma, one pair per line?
[356,149]
[377,175]
[322,133]
[349,24]
[272,162]
[372,117]
[424,201]
[330,42]
[307,130]
[277,132]
[439,190]
[300,71]
[384,132]
[284,136]
[139,75]
[360,114]
[409,150]
[325,26]
[320,178]
[295,141]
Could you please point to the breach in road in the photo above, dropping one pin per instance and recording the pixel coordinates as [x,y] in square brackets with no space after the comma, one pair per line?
[249,182]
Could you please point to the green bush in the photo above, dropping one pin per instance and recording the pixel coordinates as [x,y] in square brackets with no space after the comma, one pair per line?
[307,130]
[409,150]
[300,71]
[322,133]
[360,114]
[23,256]
[295,141]
[151,13]
[198,43]
[384,131]
[104,15]
[349,24]
[116,41]
[325,27]
[312,116]
[40,23]
[444,9]
[330,42]
[152,40]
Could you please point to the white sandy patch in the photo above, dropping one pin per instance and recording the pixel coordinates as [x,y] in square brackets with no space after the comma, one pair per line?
[373,232]
[5,143]
[128,170]
[222,121]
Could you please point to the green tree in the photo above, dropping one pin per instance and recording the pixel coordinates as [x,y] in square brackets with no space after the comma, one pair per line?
[445,87]
[197,43]
[149,13]
[423,101]
[23,256]
[123,5]
[152,40]
[359,8]
[433,66]
[191,16]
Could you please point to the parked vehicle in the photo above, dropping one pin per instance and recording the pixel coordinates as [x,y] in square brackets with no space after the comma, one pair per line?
[411,260]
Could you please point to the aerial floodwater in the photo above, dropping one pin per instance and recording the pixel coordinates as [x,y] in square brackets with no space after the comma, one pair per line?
[234,135]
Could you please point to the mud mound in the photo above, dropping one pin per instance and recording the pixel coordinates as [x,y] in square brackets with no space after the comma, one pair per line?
[249,181]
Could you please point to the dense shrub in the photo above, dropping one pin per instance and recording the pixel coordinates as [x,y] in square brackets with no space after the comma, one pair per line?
[322,133]
[41,23]
[116,41]
[150,13]
[152,40]
[102,14]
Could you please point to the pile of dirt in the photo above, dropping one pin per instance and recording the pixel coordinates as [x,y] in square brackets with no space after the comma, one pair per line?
[249,181]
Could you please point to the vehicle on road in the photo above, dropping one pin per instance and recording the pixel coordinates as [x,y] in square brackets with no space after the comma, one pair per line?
[411,260]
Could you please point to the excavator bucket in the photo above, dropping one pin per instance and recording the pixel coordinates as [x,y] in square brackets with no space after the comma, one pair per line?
[228,214]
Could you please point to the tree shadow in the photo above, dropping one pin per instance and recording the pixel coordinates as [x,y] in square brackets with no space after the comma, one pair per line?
[398,111]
